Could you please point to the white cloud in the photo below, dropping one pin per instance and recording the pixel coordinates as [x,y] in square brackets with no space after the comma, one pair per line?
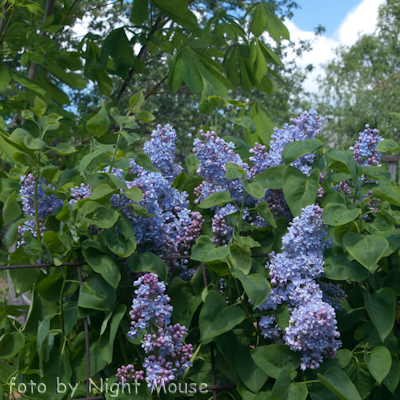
[362,19]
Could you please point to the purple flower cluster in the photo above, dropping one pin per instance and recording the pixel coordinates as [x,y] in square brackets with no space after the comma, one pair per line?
[214,153]
[364,150]
[80,192]
[342,186]
[161,150]
[46,204]
[167,356]
[307,126]
[294,273]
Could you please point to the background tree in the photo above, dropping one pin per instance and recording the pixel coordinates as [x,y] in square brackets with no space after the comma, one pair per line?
[44,55]
[362,84]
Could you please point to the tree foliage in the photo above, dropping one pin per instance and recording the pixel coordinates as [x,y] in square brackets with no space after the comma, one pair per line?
[361,83]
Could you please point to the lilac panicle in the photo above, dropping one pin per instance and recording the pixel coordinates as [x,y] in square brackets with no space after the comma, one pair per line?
[364,150]
[166,355]
[312,326]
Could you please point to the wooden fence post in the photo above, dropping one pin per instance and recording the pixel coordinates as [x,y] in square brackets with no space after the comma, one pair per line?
[393,163]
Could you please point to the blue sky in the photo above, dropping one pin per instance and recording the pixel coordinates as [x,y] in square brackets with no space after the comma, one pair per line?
[344,21]
[328,13]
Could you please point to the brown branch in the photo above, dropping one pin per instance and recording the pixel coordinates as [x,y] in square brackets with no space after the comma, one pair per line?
[68,12]
[142,53]
[154,89]
[3,20]
[80,263]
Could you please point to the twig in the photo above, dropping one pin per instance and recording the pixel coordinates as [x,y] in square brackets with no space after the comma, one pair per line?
[154,89]
[80,263]
[142,54]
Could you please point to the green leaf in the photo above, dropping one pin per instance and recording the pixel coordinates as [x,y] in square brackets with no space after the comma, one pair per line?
[241,147]
[216,199]
[275,27]
[258,21]
[339,384]
[104,265]
[366,249]
[266,213]
[101,191]
[282,316]
[64,149]
[106,340]
[274,357]
[95,293]
[379,362]
[24,159]
[23,279]
[336,214]
[217,318]
[295,150]
[98,125]
[140,12]
[11,209]
[388,193]
[376,172]
[190,74]
[32,143]
[148,262]
[145,116]
[393,377]
[256,286]
[105,218]
[254,189]
[381,307]
[282,384]
[143,160]
[340,268]
[184,306]
[387,145]
[296,391]
[357,371]
[4,77]
[244,121]
[240,256]
[300,190]
[134,194]
[352,165]
[271,178]
[28,83]
[119,245]
[43,331]
[205,251]
[11,344]
[249,373]
[137,100]
[130,137]
[39,106]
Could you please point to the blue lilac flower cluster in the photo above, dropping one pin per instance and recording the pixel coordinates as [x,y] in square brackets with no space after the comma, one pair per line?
[364,150]
[161,150]
[166,355]
[214,153]
[294,278]
[47,203]
[307,126]
[169,226]
[171,223]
